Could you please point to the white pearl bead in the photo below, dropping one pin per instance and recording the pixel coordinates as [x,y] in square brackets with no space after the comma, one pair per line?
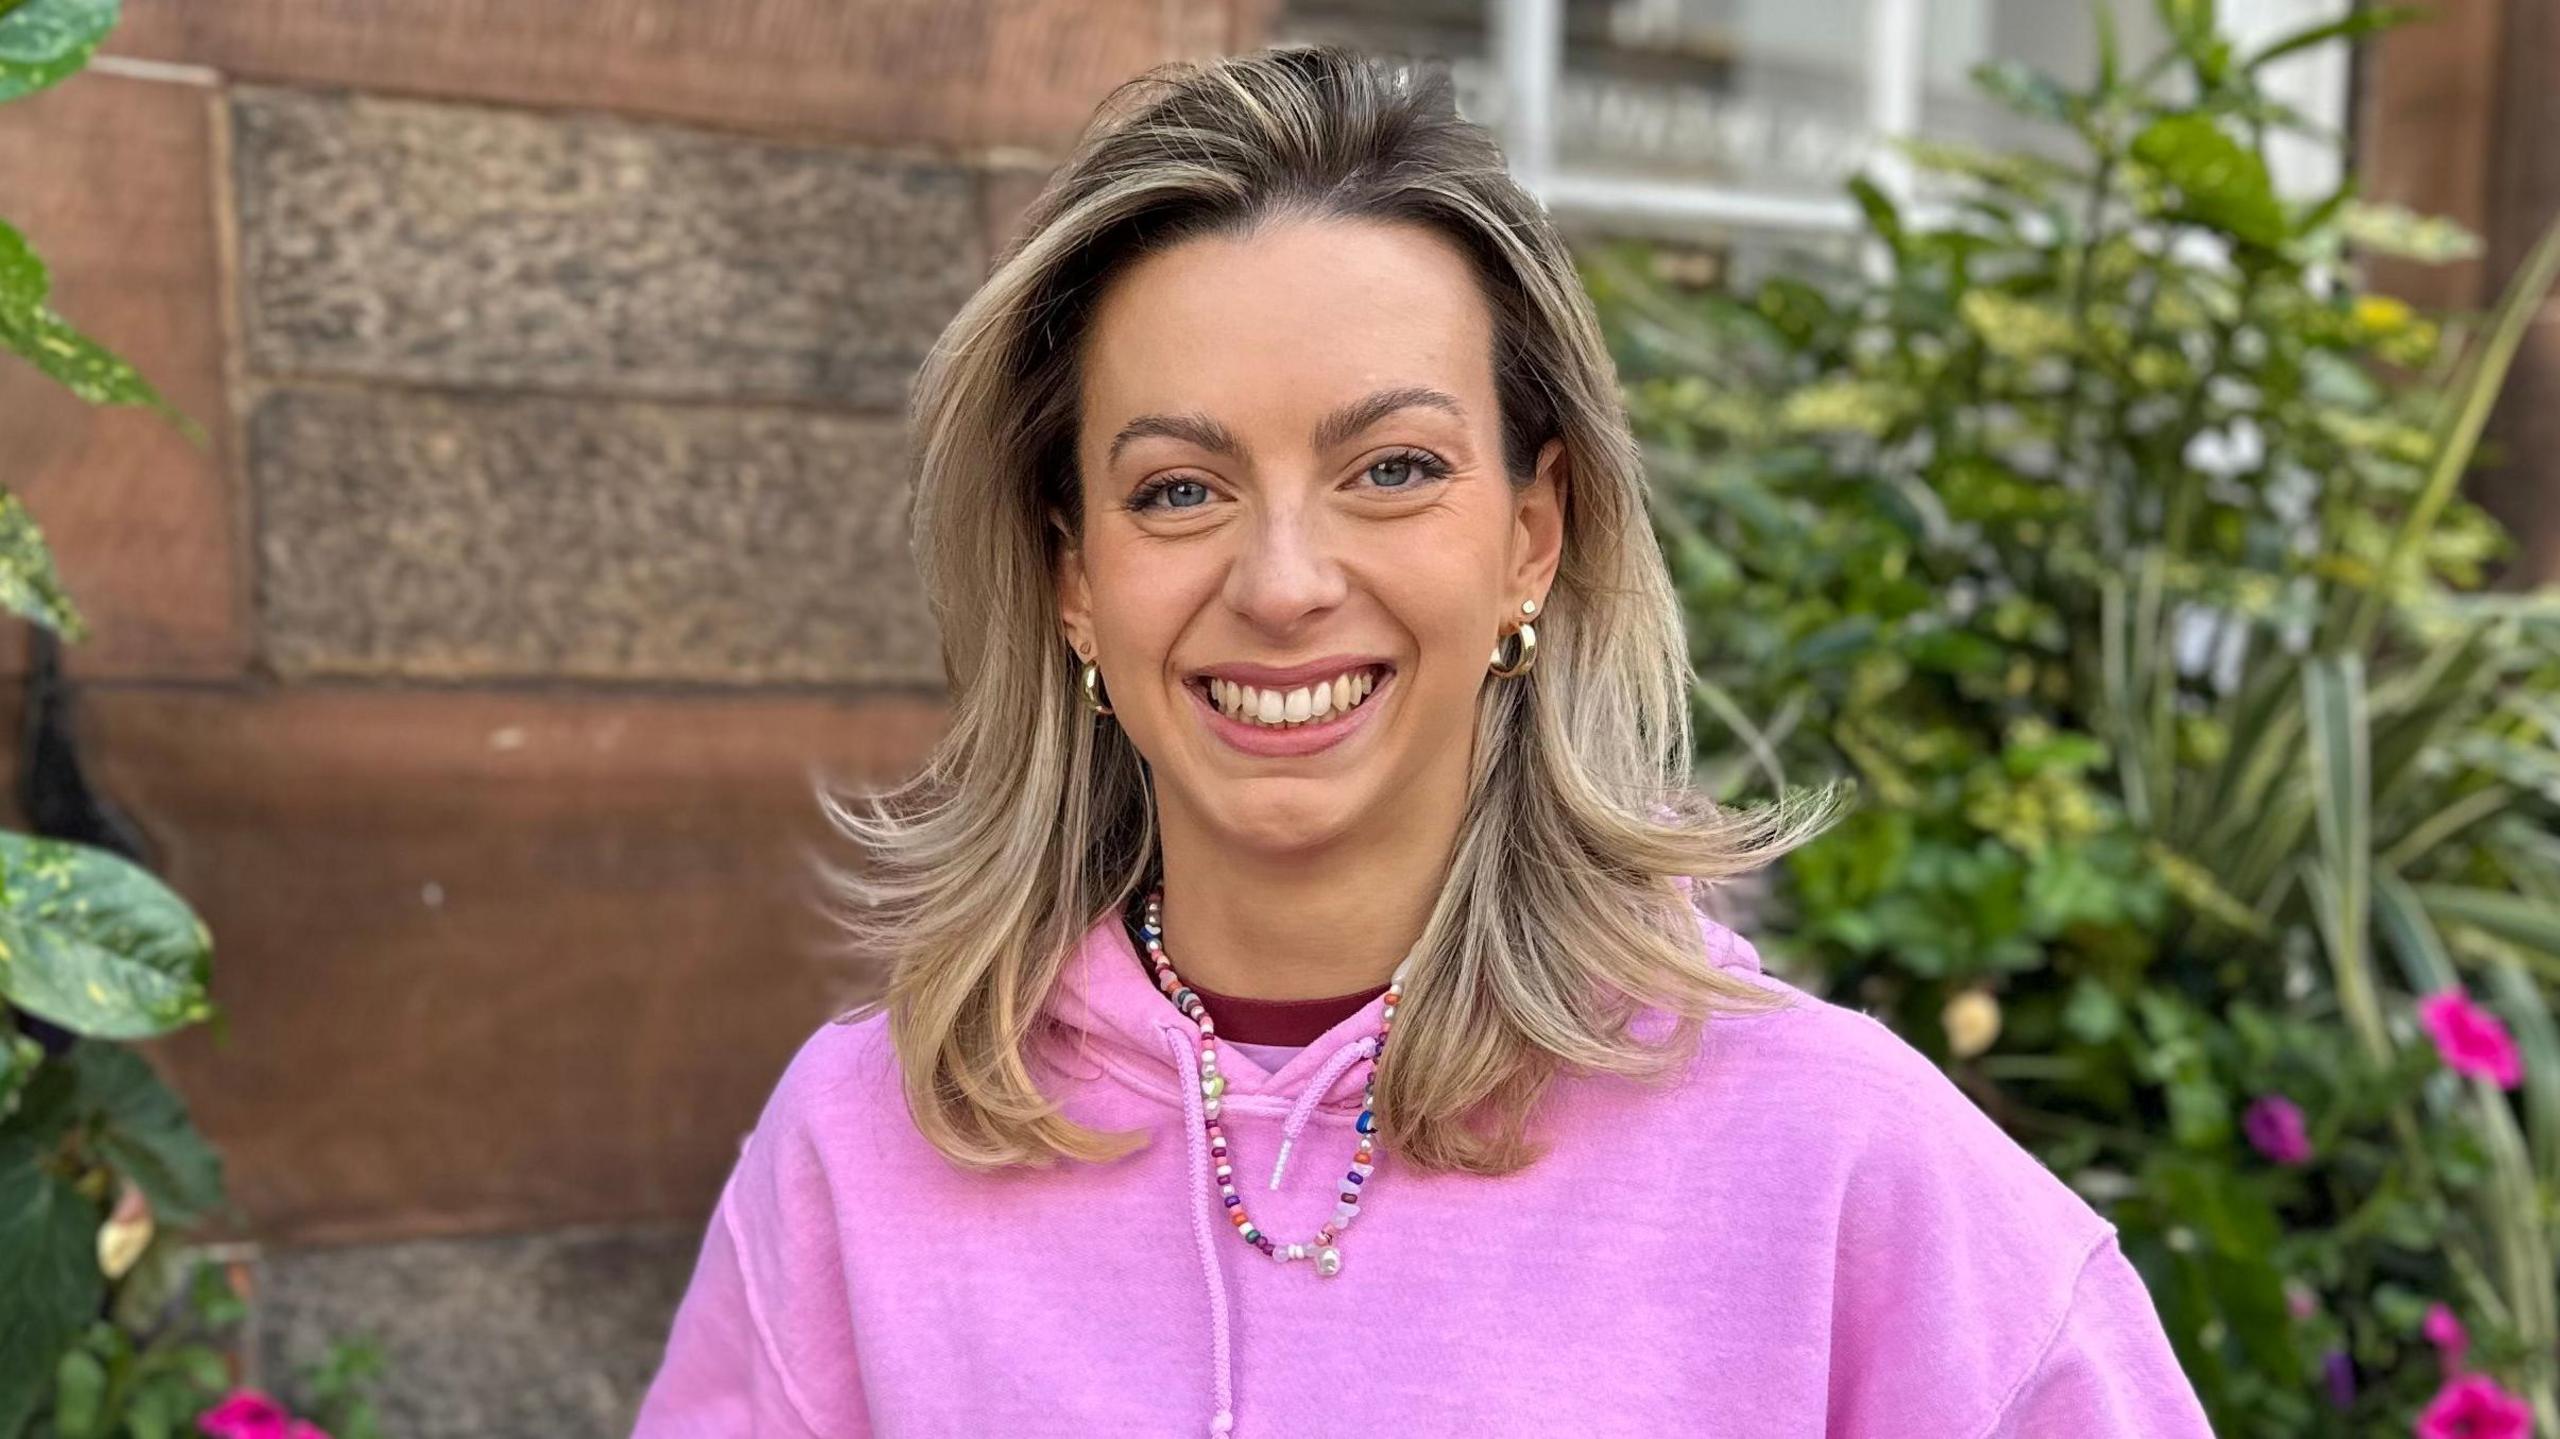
[1210,1107]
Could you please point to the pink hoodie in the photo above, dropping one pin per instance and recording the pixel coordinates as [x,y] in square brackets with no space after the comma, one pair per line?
[1813,1234]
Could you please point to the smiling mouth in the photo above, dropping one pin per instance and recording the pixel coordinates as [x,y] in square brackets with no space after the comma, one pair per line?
[1293,707]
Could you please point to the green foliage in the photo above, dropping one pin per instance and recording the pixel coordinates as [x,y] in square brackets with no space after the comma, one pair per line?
[99,1164]
[96,944]
[43,41]
[2112,541]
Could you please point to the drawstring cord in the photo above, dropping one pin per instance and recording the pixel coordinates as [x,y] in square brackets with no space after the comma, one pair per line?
[1195,1123]
[1317,1088]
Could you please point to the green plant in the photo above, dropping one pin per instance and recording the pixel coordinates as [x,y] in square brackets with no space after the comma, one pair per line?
[2112,541]
[100,1168]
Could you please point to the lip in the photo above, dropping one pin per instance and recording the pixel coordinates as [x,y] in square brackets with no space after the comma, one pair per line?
[1268,743]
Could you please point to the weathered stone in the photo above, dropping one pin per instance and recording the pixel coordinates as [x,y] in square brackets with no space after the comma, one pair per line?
[457,245]
[547,1336]
[957,74]
[140,521]
[446,536]
[492,961]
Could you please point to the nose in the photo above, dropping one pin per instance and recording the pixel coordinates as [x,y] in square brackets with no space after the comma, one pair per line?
[1288,569]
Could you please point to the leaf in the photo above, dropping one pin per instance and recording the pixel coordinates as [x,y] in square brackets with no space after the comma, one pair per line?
[1879,209]
[2424,961]
[2511,917]
[2405,234]
[2025,89]
[79,1394]
[2341,877]
[80,364]
[96,944]
[44,41]
[28,584]
[144,1131]
[2357,23]
[49,1280]
[2465,413]
[2017,329]
[2220,182]
[23,281]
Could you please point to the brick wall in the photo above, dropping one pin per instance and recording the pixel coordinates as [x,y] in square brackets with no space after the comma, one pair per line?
[550,532]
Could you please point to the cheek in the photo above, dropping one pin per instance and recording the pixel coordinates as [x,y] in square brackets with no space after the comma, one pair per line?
[1444,596]
[1139,610]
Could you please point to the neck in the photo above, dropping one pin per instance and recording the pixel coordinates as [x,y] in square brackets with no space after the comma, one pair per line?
[1305,924]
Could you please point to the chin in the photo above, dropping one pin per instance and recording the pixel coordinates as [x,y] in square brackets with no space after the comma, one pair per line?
[1286,824]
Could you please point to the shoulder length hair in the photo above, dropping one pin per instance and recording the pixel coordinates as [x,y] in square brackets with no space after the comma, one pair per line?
[1559,916]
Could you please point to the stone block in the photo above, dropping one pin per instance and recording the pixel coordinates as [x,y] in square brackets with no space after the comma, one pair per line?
[953,74]
[451,537]
[535,1336]
[491,962]
[112,180]
[455,245]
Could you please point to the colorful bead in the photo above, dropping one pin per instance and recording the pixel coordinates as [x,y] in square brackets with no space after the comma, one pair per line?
[1322,1249]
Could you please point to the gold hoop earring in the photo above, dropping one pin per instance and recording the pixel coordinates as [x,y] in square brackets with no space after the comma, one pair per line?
[1091,689]
[1527,635]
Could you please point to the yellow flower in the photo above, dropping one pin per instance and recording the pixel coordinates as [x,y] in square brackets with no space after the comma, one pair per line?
[1972,1020]
[125,1235]
[2382,315]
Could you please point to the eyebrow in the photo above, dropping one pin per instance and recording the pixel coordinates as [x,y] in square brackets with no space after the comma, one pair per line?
[1330,431]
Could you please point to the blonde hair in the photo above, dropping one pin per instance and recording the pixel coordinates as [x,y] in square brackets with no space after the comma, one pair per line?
[1559,916]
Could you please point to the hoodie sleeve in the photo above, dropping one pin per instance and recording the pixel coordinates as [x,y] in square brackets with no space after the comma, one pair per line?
[1975,1294]
[2108,1371]
[763,1344]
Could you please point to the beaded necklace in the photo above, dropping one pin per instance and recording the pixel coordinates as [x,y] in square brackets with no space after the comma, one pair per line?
[1325,1247]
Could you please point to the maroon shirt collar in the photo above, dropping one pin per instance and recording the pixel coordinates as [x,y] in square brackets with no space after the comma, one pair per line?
[1269,1021]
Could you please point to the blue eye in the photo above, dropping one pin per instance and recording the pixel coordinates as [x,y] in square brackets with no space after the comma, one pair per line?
[1419,466]
[1147,494]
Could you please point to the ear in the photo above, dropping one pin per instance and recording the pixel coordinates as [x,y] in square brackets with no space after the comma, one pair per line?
[1074,595]
[1537,541]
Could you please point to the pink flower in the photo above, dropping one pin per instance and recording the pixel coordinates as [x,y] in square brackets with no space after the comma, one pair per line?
[246,1414]
[2444,1331]
[2472,1406]
[304,1429]
[2274,1124]
[2471,1039]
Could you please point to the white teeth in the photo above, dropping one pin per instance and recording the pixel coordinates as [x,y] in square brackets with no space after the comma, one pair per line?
[1281,708]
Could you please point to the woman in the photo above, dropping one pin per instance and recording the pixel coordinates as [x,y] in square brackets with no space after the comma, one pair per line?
[1243,851]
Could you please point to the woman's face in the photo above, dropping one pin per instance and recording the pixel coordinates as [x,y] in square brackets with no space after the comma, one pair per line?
[1299,547]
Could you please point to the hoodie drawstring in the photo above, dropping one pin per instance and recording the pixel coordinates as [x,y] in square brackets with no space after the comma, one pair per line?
[1196,1124]
[1195,1121]
[1317,1088]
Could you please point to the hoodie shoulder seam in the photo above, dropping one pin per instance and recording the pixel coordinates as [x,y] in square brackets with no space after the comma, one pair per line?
[2053,1336]
[755,1310]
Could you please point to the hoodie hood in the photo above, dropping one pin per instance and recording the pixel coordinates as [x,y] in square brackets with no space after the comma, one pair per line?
[1113,1016]
[1107,1003]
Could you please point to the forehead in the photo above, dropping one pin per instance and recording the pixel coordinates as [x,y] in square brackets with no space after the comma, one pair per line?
[1267,329]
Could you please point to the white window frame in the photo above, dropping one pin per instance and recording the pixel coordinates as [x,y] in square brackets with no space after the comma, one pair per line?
[1528,53]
